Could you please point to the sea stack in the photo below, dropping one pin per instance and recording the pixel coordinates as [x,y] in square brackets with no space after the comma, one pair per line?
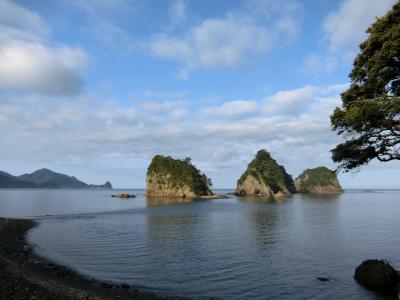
[265,177]
[176,178]
[319,180]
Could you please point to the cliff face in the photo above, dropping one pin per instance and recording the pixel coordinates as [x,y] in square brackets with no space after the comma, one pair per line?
[319,180]
[265,177]
[175,178]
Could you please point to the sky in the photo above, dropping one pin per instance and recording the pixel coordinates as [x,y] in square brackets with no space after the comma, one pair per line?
[96,88]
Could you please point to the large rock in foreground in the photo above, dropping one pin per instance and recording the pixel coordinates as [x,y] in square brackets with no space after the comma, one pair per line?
[265,177]
[176,178]
[319,180]
[377,275]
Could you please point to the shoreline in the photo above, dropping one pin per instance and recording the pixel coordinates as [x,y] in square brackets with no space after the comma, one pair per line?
[26,275]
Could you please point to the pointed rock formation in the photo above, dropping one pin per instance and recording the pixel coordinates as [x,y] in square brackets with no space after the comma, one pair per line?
[265,177]
[176,178]
[319,180]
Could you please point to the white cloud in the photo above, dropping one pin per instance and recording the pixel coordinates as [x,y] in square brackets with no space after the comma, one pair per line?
[32,67]
[230,41]
[162,106]
[266,9]
[103,23]
[163,94]
[297,102]
[290,101]
[345,28]
[110,36]
[232,109]
[315,64]
[335,89]
[94,130]
[177,11]
[89,127]
[104,8]
[171,109]
[28,64]
[214,43]
[17,22]
[287,26]
[182,75]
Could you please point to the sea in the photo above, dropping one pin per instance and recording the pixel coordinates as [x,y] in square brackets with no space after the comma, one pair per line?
[234,248]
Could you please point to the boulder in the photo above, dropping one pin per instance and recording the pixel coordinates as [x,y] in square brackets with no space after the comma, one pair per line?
[377,275]
[124,195]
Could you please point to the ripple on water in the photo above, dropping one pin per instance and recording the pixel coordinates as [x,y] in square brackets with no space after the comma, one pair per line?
[232,249]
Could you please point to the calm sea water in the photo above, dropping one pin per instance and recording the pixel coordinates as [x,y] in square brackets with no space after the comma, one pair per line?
[228,249]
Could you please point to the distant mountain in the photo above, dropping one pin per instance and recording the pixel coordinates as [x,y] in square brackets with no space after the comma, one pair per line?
[7,180]
[106,186]
[45,178]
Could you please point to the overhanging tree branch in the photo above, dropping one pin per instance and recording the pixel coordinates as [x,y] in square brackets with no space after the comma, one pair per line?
[369,118]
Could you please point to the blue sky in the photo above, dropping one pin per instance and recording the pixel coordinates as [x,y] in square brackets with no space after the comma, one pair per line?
[96,88]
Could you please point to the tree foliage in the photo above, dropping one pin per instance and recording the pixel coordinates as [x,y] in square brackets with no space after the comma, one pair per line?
[370,115]
[317,177]
[179,173]
[265,169]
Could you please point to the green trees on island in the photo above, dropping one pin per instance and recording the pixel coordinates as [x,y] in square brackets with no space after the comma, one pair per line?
[370,116]
[318,180]
[265,177]
[167,176]
[265,169]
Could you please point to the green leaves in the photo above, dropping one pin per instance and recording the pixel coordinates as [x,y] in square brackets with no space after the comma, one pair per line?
[318,177]
[265,169]
[370,115]
[180,173]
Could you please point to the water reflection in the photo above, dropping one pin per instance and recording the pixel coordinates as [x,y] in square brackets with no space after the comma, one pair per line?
[238,248]
[175,246]
[259,199]
[263,224]
[320,197]
[157,201]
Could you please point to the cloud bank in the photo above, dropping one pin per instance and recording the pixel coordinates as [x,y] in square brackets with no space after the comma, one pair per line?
[28,61]
[226,42]
[87,129]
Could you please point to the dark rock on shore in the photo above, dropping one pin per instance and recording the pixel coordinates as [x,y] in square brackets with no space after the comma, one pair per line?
[124,195]
[377,275]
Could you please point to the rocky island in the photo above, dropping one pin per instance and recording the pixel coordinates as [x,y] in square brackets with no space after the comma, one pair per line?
[265,177]
[176,178]
[319,180]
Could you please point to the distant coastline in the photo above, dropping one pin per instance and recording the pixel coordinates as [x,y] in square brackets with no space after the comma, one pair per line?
[48,179]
